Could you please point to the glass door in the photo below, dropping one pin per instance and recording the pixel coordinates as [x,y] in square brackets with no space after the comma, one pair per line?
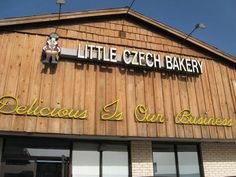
[48,169]
[52,168]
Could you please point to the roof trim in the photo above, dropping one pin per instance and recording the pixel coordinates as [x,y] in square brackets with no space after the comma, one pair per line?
[116,11]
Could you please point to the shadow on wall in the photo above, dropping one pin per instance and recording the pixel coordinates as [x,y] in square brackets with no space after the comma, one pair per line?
[219,152]
[137,71]
[130,71]
[49,68]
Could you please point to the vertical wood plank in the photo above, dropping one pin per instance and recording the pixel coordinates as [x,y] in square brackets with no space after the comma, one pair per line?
[68,89]
[176,104]
[159,103]
[130,102]
[79,94]
[149,92]
[121,94]
[4,58]
[140,99]
[90,83]
[201,105]
[208,98]
[168,107]
[100,99]
[216,94]
[10,75]
[231,99]
[13,77]
[30,62]
[111,126]
[188,131]
[35,82]
[56,97]
[23,81]
[193,104]
[221,87]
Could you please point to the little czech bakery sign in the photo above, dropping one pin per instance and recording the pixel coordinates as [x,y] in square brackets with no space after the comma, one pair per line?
[135,58]
[140,59]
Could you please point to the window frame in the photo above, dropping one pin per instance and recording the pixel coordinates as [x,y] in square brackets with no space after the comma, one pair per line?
[175,144]
[127,143]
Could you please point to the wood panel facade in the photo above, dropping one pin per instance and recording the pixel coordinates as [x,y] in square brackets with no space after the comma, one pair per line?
[90,86]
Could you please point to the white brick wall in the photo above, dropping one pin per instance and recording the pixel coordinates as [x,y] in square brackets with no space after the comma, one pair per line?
[219,159]
[141,158]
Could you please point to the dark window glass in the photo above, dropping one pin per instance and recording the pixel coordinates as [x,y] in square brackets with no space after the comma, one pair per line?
[23,157]
[29,148]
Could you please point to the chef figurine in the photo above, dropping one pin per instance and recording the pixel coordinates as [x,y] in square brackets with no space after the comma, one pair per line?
[51,50]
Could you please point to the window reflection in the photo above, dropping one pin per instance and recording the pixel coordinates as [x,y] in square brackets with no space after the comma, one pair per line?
[115,161]
[18,168]
[85,160]
[25,157]
[188,161]
[165,156]
[27,148]
[100,160]
[164,161]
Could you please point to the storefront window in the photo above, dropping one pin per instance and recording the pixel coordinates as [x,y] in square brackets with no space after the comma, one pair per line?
[115,161]
[85,160]
[175,160]
[188,161]
[164,161]
[100,160]
[35,158]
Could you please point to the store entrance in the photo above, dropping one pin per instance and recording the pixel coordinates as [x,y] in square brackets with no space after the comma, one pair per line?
[35,158]
[37,168]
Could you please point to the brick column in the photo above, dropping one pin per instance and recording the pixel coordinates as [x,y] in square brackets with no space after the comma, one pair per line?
[219,159]
[141,158]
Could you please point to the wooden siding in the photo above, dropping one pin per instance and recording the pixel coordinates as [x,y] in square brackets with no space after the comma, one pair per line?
[87,86]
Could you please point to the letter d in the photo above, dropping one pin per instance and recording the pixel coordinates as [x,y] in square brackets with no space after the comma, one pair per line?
[4,104]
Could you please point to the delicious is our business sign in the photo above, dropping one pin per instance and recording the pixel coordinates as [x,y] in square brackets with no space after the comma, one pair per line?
[135,58]
[110,112]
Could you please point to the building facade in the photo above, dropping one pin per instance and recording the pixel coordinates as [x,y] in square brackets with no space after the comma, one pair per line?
[112,93]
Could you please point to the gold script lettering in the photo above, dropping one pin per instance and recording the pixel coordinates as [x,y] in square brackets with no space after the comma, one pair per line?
[110,112]
[186,117]
[141,115]
[10,105]
[44,111]
[4,102]
[21,110]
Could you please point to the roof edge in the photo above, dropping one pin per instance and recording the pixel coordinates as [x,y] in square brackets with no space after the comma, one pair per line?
[183,36]
[63,16]
[115,11]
